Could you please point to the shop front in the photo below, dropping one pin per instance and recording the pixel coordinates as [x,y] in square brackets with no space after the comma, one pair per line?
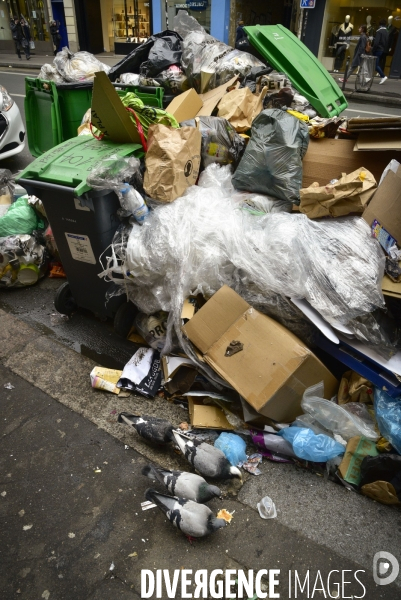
[35,13]
[125,23]
[341,20]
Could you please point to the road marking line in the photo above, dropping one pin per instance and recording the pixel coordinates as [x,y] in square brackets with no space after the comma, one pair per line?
[19,95]
[369,112]
[6,72]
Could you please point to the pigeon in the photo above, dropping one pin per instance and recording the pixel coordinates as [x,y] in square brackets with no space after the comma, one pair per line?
[207,460]
[182,484]
[193,519]
[159,431]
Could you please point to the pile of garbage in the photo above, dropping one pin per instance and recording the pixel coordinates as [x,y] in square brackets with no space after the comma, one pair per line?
[27,248]
[249,291]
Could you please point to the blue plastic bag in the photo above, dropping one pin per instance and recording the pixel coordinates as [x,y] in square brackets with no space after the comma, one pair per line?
[388,416]
[309,446]
[233,447]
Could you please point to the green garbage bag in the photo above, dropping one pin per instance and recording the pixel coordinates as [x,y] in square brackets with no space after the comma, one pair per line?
[20,218]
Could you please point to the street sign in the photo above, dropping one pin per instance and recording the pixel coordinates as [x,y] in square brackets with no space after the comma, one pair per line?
[308,3]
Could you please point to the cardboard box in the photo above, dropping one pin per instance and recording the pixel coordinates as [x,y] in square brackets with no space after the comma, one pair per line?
[211,98]
[328,159]
[385,206]
[109,114]
[185,106]
[206,415]
[274,368]
[380,141]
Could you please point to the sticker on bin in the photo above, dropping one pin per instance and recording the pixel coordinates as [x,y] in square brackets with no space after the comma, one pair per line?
[80,248]
[79,206]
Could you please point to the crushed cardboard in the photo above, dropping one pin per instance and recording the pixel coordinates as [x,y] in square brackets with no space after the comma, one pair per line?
[206,416]
[275,367]
[385,206]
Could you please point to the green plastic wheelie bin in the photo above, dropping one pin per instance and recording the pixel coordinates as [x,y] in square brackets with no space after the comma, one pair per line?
[287,54]
[83,220]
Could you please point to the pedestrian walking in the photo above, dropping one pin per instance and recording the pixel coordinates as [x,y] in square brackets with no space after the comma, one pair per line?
[359,50]
[55,33]
[380,45]
[20,39]
[241,39]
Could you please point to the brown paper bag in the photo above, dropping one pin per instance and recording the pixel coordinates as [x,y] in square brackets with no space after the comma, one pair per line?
[172,161]
[350,194]
[240,107]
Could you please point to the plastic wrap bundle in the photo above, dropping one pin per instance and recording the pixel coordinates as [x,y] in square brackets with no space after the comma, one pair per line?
[209,63]
[220,142]
[173,80]
[184,24]
[272,163]
[203,240]
[50,73]
[129,79]
[79,66]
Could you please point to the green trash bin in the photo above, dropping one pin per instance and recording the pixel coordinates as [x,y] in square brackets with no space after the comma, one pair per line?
[83,220]
[63,106]
[287,54]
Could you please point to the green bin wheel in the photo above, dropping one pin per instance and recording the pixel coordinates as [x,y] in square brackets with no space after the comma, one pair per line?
[124,319]
[64,302]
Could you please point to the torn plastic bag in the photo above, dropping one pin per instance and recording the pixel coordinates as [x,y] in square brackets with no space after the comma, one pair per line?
[132,62]
[281,99]
[173,80]
[388,415]
[257,204]
[251,80]
[184,23]
[165,51]
[233,446]
[152,328]
[334,417]
[112,172]
[220,142]
[379,331]
[78,66]
[23,260]
[209,63]
[49,73]
[129,79]
[272,162]
[307,445]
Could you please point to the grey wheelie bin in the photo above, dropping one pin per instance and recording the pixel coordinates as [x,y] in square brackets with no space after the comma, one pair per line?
[83,220]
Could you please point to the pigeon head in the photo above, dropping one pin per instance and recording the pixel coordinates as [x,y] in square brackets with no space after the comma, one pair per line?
[235,472]
[207,492]
[213,523]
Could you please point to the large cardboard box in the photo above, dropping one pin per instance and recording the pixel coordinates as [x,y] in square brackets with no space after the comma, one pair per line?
[328,159]
[384,209]
[185,106]
[273,369]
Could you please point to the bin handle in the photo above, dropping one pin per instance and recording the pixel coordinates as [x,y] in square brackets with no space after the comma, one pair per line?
[140,129]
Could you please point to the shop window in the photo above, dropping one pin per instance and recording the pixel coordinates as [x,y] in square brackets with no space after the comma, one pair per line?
[200,9]
[33,11]
[131,20]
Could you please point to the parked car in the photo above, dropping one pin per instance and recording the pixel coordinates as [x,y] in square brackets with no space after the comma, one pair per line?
[12,129]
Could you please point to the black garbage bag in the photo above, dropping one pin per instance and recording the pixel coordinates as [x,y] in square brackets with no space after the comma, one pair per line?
[378,470]
[272,161]
[252,77]
[166,51]
[132,62]
[220,142]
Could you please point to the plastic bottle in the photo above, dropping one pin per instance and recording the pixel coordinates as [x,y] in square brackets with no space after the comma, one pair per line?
[134,202]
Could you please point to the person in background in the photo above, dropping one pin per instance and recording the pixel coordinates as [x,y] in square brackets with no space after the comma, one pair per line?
[19,38]
[55,33]
[380,45]
[359,50]
[240,35]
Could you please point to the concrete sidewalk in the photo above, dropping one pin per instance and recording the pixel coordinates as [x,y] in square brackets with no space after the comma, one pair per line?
[37,61]
[71,488]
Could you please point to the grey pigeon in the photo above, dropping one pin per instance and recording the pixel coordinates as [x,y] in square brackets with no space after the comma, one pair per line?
[193,519]
[182,484]
[207,460]
[159,431]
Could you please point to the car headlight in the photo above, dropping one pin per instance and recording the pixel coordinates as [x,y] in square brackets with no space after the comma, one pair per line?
[7,100]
